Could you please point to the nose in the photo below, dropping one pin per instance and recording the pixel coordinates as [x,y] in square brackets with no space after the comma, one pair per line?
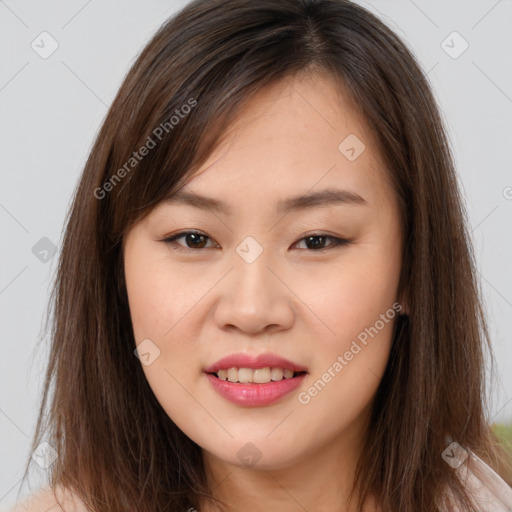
[254,297]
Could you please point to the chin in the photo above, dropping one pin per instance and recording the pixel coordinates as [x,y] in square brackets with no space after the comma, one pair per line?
[255,452]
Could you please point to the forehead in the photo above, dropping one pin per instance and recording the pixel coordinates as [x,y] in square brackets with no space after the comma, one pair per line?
[299,135]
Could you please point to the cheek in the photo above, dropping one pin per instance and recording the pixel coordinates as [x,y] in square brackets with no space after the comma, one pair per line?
[350,361]
[352,294]
[358,303]
[161,307]
[158,298]
[158,310]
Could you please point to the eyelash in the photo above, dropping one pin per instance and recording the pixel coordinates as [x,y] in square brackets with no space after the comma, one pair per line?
[171,241]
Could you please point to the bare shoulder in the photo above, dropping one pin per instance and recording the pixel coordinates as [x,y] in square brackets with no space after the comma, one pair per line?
[45,500]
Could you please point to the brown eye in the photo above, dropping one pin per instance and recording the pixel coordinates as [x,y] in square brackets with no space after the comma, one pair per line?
[193,240]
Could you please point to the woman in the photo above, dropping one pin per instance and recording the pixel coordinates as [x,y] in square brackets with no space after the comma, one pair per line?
[267,296]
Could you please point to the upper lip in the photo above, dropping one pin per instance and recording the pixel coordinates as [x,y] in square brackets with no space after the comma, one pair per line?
[242,360]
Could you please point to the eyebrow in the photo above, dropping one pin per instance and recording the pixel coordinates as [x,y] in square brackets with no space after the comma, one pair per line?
[322,198]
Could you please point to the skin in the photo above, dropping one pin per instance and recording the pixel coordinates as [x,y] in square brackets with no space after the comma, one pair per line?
[294,300]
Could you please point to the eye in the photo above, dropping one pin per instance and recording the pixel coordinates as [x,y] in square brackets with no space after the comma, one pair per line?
[195,238]
[198,240]
[316,242]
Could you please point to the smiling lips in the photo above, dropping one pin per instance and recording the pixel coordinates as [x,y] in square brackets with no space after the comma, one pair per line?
[254,381]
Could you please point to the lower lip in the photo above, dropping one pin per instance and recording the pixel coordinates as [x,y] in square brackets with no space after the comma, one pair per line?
[254,395]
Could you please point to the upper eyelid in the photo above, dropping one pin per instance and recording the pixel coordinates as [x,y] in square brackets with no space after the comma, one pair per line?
[184,233]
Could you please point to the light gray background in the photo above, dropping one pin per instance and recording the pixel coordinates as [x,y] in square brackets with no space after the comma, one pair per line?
[52,108]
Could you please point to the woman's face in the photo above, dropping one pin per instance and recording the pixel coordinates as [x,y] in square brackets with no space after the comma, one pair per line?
[263,291]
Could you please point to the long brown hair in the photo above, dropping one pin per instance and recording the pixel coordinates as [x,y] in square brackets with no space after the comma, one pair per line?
[117,448]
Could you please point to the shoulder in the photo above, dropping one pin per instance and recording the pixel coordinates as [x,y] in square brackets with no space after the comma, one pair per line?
[46,500]
[490,491]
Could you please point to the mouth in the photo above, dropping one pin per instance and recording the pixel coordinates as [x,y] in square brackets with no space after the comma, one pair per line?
[254,381]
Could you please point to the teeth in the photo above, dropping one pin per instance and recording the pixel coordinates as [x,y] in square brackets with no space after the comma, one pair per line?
[258,376]
[277,373]
[245,375]
[288,374]
[232,375]
[261,375]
